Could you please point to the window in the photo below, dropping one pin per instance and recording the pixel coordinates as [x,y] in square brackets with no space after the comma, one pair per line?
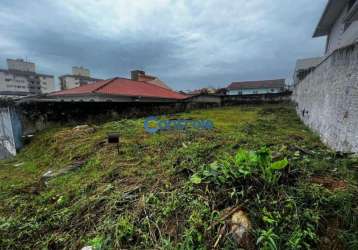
[239,93]
[255,92]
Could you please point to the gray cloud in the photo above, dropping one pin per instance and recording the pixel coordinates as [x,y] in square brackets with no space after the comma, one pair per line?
[189,44]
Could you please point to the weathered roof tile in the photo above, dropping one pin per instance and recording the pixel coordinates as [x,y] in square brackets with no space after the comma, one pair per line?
[122,87]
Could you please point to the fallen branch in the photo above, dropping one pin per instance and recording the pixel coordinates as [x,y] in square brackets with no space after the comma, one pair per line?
[224,217]
[221,233]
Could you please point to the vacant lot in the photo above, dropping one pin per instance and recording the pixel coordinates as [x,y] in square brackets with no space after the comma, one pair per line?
[178,190]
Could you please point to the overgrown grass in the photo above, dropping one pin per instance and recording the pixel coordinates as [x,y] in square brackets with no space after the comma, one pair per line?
[170,190]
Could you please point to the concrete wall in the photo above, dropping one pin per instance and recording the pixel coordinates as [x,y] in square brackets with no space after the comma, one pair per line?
[203,101]
[327,99]
[256,99]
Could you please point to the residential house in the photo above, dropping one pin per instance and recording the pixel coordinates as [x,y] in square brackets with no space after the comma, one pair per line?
[339,23]
[21,79]
[304,67]
[80,76]
[118,90]
[256,87]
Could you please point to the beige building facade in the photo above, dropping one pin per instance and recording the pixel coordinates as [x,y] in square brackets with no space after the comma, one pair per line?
[80,76]
[21,79]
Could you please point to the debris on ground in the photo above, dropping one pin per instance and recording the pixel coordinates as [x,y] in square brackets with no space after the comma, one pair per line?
[329,240]
[330,183]
[72,167]
[80,127]
[240,228]
[87,248]
[84,128]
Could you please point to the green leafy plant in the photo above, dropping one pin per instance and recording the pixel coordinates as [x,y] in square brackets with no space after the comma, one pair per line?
[267,240]
[268,169]
[124,228]
[96,242]
[242,165]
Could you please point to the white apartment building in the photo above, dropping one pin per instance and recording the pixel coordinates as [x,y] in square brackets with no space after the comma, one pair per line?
[80,76]
[21,79]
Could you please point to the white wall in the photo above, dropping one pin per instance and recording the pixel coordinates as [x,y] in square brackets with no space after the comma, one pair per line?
[339,37]
[327,99]
[10,82]
[47,84]
[69,82]
[20,83]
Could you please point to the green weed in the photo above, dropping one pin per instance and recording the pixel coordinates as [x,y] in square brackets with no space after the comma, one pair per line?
[229,170]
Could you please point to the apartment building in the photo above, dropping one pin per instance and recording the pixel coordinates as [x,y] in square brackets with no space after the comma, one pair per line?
[80,76]
[20,79]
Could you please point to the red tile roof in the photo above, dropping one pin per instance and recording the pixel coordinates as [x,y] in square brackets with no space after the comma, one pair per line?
[122,87]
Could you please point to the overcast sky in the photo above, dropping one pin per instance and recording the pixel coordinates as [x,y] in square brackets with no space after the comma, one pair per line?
[187,43]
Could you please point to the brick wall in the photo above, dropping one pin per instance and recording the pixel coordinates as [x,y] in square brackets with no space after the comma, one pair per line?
[327,99]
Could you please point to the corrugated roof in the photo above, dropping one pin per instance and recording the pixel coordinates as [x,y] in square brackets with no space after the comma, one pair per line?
[279,83]
[122,87]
